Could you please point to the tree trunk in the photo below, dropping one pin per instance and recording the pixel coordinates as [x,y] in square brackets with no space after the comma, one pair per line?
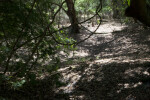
[72,16]
[139,10]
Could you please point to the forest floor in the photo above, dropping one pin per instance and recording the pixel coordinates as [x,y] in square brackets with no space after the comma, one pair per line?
[111,65]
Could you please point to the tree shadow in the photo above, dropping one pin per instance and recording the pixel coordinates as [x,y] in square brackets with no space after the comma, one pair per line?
[118,71]
[39,89]
[133,42]
[114,81]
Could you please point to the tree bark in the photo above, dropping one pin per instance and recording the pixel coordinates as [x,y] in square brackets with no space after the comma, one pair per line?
[139,10]
[72,16]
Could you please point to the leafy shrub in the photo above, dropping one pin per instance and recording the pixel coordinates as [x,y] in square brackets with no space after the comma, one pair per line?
[29,41]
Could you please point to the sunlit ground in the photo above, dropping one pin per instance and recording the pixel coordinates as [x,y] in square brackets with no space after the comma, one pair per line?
[114,41]
[108,27]
[120,60]
[104,31]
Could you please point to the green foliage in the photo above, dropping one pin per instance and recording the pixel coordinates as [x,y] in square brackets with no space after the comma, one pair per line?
[27,42]
[107,9]
[18,84]
[128,2]
[86,5]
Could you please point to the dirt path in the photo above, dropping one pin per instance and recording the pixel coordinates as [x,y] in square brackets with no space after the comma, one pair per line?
[111,65]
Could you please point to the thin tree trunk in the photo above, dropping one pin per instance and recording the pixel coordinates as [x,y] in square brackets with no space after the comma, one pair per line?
[72,16]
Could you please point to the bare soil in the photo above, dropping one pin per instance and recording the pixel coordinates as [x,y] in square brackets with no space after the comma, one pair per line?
[114,64]
[111,65]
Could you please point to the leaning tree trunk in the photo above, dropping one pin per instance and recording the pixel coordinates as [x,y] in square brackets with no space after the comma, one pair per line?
[72,16]
[139,10]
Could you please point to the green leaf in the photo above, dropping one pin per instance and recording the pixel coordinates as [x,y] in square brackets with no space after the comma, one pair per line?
[128,2]
[18,84]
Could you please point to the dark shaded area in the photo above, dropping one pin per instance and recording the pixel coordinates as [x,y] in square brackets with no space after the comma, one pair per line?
[114,81]
[40,89]
[139,9]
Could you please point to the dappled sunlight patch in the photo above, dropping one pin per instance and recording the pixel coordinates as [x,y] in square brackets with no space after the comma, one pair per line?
[133,85]
[72,78]
[82,53]
[63,69]
[79,73]
[103,61]
[93,72]
[132,72]
[146,73]
[142,60]
[128,85]
[121,59]
[108,27]
[78,97]
[148,37]
[90,78]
